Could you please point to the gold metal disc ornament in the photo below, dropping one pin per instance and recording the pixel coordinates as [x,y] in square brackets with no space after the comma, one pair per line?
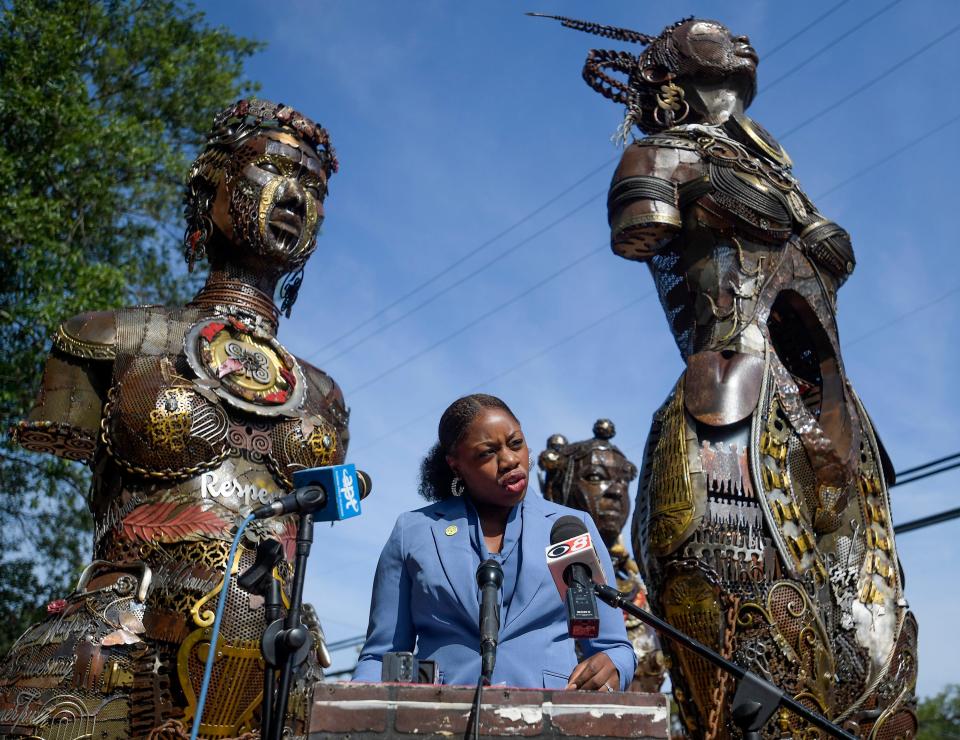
[246,367]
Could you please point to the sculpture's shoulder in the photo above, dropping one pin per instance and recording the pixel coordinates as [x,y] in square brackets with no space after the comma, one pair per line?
[88,336]
[328,391]
[673,155]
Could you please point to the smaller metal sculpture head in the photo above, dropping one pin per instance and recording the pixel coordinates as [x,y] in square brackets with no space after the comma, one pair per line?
[592,475]
[691,51]
[259,184]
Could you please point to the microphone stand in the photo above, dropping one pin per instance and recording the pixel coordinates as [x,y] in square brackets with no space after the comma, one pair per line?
[755,700]
[286,641]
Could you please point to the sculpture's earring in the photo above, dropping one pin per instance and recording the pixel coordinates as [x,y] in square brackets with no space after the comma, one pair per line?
[670,102]
[457,486]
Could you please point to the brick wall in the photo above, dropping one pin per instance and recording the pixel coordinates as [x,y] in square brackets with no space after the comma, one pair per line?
[366,711]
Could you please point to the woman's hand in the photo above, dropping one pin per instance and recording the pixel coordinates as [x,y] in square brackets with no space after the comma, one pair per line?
[595,673]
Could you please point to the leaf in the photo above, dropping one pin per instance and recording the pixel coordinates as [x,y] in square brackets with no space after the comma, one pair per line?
[170,522]
[120,637]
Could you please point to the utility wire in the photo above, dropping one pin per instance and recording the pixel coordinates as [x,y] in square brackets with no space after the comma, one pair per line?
[513,368]
[573,186]
[901,317]
[921,476]
[436,276]
[902,528]
[918,468]
[457,332]
[823,16]
[873,81]
[927,521]
[849,32]
[810,120]
[565,268]
[512,249]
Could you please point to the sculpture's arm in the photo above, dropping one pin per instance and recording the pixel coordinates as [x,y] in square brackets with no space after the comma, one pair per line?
[643,205]
[328,389]
[65,419]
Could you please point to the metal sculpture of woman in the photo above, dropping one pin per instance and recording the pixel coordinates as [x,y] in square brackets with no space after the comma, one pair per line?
[763,518]
[594,476]
[190,417]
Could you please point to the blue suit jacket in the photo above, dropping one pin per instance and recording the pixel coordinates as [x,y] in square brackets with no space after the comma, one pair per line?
[425,597]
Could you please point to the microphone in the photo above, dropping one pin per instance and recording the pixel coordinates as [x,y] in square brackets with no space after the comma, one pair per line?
[329,493]
[575,568]
[489,579]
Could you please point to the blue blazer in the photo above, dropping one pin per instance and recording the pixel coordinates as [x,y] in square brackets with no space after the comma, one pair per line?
[425,599]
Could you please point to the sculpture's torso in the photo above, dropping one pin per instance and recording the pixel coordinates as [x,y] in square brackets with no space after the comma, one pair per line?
[206,417]
[763,517]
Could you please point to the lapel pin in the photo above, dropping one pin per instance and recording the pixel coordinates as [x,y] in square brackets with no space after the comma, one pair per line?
[451,530]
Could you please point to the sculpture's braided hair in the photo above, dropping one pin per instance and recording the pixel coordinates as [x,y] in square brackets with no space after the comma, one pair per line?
[636,91]
[435,475]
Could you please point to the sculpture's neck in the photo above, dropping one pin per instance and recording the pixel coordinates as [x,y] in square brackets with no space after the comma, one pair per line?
[714,103]
[238,287]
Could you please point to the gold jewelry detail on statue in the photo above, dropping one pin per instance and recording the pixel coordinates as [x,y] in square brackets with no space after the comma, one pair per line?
[206,618]
[81,348]
[778,155]
[670,100]
[160,474]
[169,423]
[670,488]
[231,702]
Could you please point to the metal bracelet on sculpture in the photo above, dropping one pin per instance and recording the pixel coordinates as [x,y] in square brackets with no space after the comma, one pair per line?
[640,187]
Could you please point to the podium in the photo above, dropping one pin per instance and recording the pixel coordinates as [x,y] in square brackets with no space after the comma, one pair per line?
[369,711]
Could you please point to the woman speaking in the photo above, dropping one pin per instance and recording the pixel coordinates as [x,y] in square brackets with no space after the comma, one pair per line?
[425,593]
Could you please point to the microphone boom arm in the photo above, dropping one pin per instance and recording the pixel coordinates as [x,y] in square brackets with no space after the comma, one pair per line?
[756,699]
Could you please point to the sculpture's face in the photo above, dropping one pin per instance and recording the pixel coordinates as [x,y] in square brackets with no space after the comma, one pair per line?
[717,52]
[269,202]
[601,486]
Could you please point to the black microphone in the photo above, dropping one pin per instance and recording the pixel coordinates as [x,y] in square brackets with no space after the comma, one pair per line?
[578,561]
[489,579]
[314,498]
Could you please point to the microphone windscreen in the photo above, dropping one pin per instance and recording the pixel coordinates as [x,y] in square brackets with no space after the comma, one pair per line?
[565,528]
[366,484]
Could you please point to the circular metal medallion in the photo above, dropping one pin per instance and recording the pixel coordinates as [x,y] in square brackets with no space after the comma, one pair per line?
[246,367]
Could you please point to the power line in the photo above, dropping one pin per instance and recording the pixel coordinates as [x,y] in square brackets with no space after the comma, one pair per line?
[573,186]
[486,265]
[823,16]
[810,120]
[897,152]
[513,368]
[873,81]
[902,528]
[929,473]
[927,521]
[552,276]
[918,468]
[436,276]
[902,316]
[831,44]
[518,297]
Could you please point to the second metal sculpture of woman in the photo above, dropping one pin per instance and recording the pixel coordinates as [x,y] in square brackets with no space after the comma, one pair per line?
[763,517]
[594,475]
[190,416]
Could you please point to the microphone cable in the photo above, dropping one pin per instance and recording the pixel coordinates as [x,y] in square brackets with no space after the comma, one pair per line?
[215,633]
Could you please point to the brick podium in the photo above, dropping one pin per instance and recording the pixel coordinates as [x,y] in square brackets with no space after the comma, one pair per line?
[348,711]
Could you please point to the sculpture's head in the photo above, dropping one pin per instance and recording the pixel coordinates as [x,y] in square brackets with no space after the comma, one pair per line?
[690,52]
[592,475]
[254,196]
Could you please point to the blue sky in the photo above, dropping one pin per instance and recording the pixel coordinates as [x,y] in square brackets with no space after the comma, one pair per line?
[455,121]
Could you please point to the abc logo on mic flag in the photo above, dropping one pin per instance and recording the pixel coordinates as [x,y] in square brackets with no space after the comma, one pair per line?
[342,487]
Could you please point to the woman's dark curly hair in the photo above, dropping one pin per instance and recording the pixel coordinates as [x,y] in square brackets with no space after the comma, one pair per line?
[435,475]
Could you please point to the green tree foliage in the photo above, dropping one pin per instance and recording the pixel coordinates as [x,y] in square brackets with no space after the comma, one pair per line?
[940,715]
[102,106]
